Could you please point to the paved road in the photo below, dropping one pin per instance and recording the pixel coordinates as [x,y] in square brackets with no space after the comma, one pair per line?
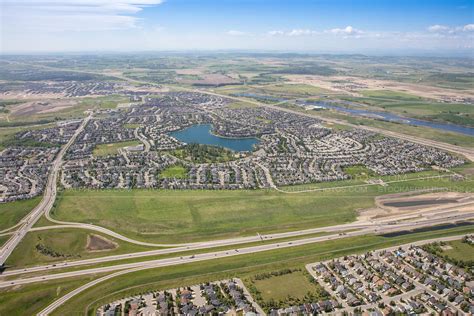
[230,253]
[46,203]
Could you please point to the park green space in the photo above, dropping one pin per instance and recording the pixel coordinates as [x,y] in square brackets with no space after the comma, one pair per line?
[459,251]
[132,126]
[12,212]
[359,171]
[176,171]
[284,288]
[14,301]
[112,148]
[69,243]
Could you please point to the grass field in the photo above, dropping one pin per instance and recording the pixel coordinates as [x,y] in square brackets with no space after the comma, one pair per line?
[12,212]
[176,171]
[70,244]
[390,95]
[3,239]
[112,149]
[185,216]
[460,251]
[277,90]
[133,126]
[359,171]
[278,288]
[28,300]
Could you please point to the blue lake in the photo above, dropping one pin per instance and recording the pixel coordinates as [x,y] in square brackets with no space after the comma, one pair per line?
[202,134]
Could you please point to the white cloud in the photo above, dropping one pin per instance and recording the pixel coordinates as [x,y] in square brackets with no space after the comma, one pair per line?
[276,33]
[468,28]
[72,15]
[347,31]
[443,29]
[300,32]
[235,33]
[437,28]
[294,32]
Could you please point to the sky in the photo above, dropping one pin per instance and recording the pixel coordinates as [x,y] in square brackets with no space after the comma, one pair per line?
[321,26]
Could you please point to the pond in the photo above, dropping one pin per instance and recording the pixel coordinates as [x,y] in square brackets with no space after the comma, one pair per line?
[202,134]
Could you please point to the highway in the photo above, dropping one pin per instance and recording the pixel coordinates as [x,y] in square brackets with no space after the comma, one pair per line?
[443,212]
[53,306]
[46,203]
[379,229]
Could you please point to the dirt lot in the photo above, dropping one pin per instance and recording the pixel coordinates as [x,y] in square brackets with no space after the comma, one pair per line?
[41,107]
[99,243]
[351,86]
[410,203]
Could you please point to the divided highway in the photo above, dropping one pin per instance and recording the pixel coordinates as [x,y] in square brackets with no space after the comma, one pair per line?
[52,307]
[374,228]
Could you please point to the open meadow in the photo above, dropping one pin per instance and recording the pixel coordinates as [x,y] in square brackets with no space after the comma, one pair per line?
[188,216]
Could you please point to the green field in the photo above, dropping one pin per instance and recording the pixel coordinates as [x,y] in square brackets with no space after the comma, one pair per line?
[185,216]
[12,212]
[3,239]
[28,300]
[112,149]
[286,288]
[67,244]
[359,172]
[459,251]
[390,95]
[277,90]
[176,171]
[133,126]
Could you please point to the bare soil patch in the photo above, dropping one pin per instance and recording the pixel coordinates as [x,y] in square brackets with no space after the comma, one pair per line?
[41,107]
[411,204]
[99,243]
